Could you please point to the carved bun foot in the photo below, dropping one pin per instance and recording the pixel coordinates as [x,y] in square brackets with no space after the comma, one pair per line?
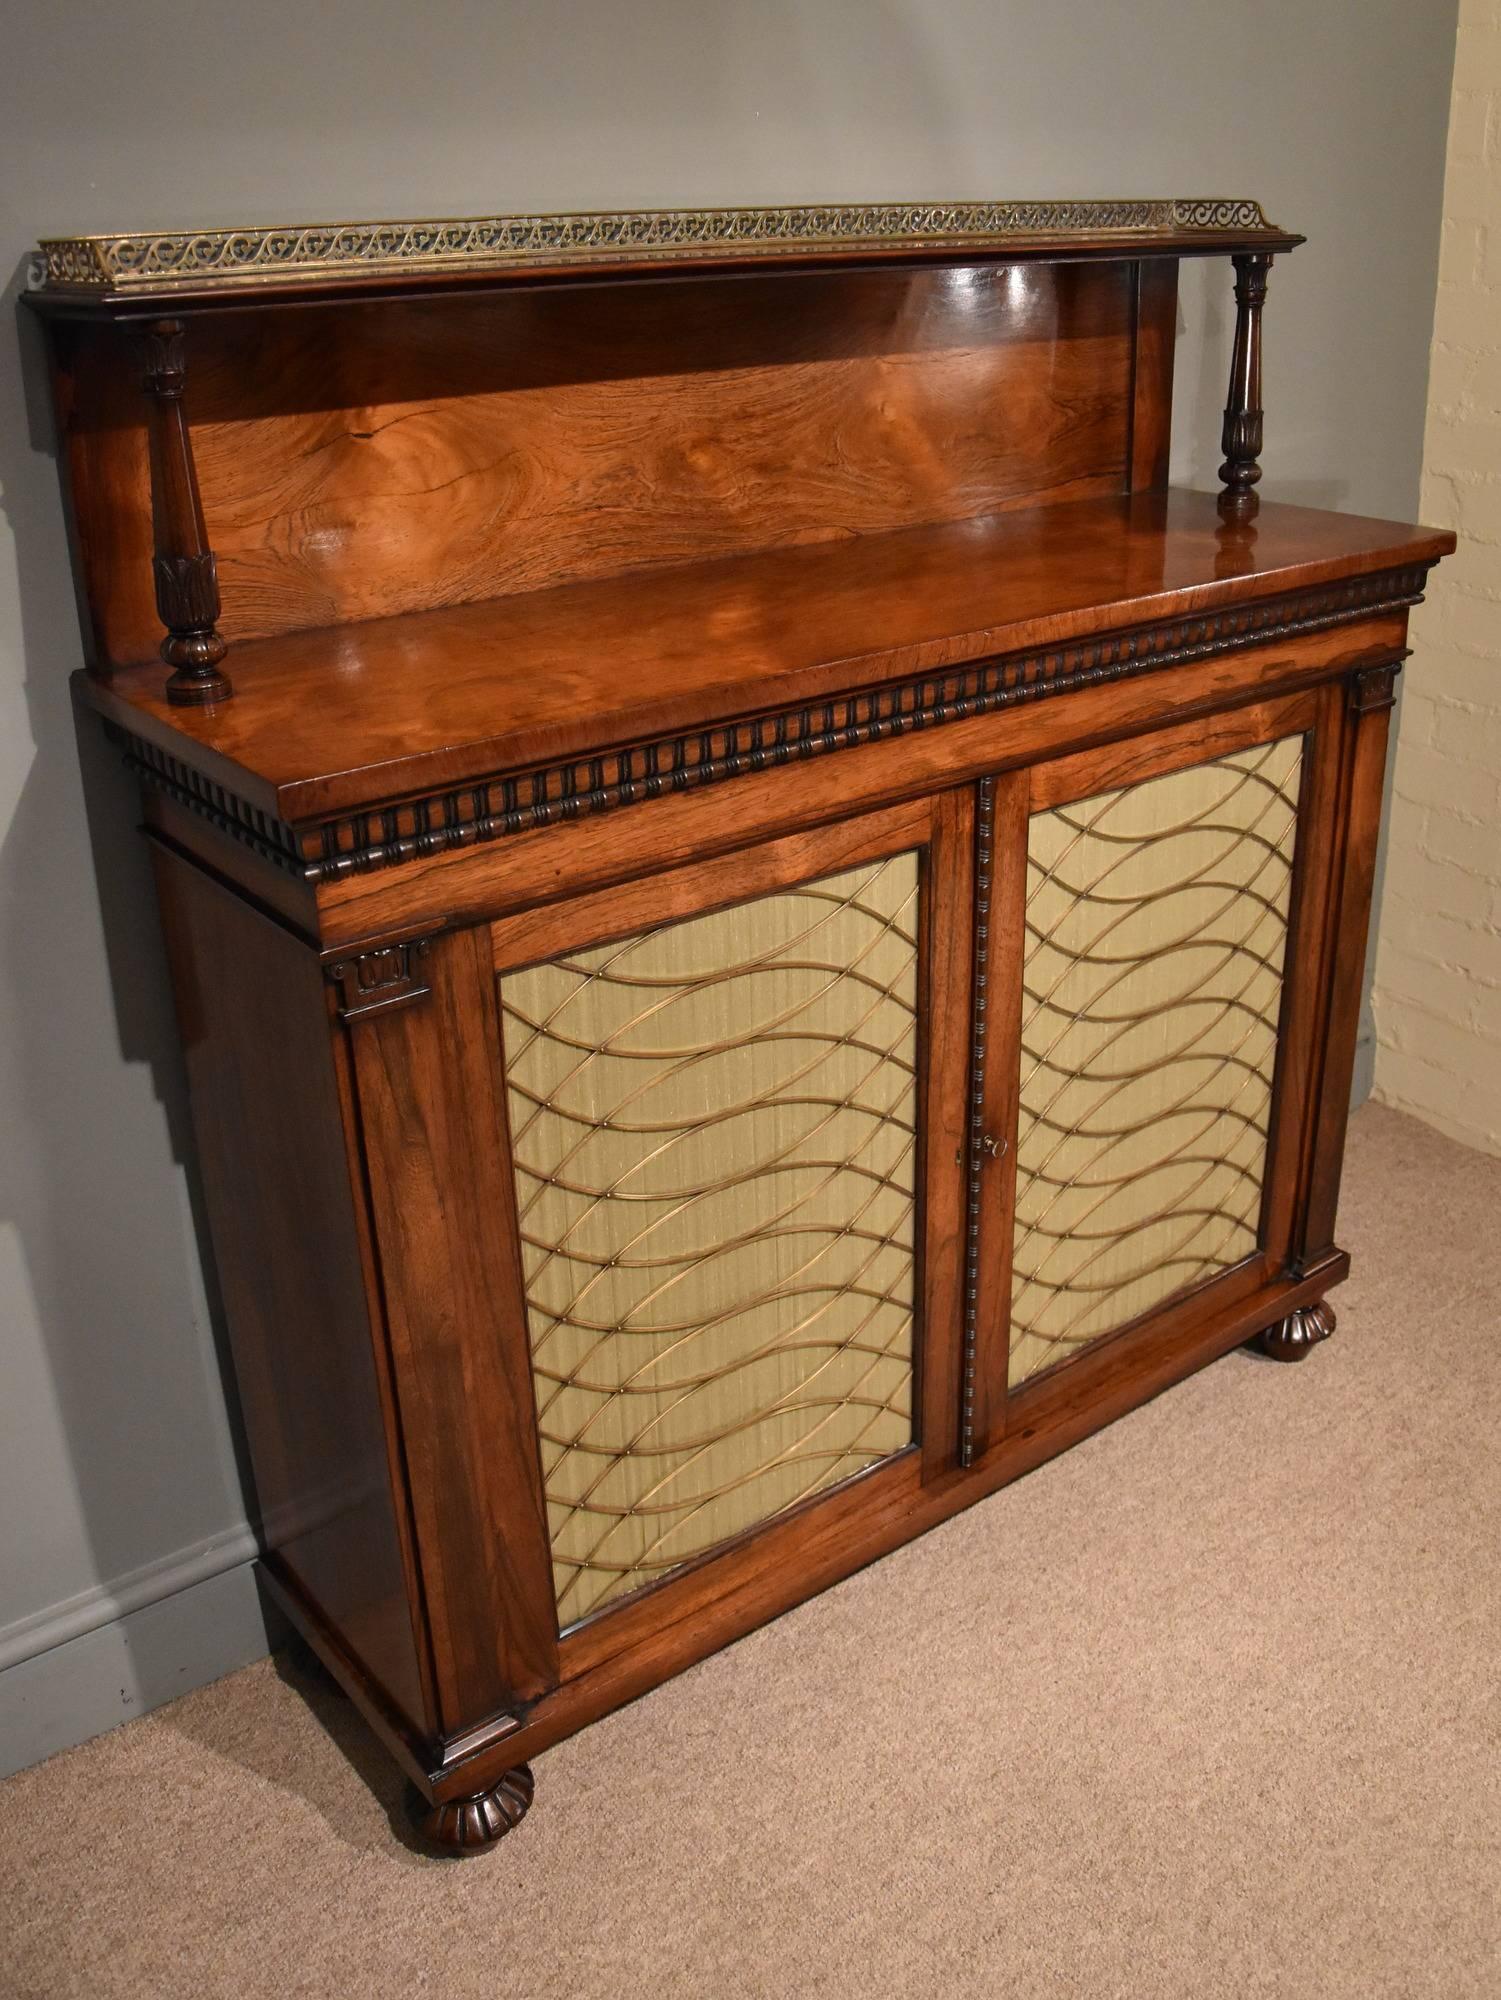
[467,1826]
[1292,1338]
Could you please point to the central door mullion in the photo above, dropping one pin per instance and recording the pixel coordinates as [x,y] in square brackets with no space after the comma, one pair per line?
[995,1076]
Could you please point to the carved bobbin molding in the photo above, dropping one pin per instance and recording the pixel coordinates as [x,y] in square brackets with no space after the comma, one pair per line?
[375,982]
[183,567]
[494,808]
[1240,439]
[980,1144]
[498,806]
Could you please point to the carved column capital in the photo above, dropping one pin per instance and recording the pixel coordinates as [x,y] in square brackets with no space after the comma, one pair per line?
[166,357]
[374,982]
[1251,273]
[1374,688]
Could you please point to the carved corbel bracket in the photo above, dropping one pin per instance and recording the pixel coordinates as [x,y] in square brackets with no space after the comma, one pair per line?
[375,982]
[187,582]
[1374,688]
[1240,439]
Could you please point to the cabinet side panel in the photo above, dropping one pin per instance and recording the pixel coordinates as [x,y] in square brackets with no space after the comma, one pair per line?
[286,1237]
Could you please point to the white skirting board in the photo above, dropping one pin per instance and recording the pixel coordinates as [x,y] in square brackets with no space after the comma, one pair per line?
[121,1651]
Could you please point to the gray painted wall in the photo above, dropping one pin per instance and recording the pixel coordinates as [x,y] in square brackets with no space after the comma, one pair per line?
[124,1569]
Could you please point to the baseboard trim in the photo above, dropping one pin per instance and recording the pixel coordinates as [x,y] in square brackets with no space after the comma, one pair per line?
[105,1603]
[167,1630]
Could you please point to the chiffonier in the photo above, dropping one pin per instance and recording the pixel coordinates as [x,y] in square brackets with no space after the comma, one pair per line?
[767,924]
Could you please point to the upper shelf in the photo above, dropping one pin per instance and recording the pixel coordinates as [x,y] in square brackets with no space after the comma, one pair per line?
[353,714]
[325,261]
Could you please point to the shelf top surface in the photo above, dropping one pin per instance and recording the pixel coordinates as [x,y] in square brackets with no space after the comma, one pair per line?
[336,718]
[332,260]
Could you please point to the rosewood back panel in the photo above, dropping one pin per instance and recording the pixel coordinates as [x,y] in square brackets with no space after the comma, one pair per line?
[372,460]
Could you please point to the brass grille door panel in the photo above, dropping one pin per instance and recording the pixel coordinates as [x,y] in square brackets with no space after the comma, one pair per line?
[714,1137]
[1156,925]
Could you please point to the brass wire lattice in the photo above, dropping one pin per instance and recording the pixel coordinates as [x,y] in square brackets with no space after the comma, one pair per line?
[713,1128]
[1156,928]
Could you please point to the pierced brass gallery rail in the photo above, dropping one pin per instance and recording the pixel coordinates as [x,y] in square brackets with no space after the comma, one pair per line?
[316,252]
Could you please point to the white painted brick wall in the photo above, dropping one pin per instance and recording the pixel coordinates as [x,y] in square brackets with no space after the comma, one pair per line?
[1438,961]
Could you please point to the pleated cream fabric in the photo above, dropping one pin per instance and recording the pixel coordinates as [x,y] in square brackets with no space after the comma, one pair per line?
[714,1131]
[1156,927]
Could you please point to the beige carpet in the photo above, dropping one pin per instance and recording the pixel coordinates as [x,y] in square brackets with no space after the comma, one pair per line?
[1206,1707]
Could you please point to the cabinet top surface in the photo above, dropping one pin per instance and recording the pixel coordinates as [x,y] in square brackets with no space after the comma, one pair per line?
[331,260]
[329,719]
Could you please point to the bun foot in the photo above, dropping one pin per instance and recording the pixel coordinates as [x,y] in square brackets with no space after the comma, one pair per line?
[1292,1338]
[467,1826]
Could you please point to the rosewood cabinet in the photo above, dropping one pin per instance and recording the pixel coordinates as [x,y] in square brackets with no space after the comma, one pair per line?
[767,925]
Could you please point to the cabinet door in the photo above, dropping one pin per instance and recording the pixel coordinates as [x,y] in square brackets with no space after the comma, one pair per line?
[1148,898]
[734,1096]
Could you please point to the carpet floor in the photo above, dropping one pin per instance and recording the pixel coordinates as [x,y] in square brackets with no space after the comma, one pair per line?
[1208,1706]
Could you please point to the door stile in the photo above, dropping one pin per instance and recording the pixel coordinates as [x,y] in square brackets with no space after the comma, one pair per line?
[426,1060]
[1306,974]
[1364,702]
[1000,914]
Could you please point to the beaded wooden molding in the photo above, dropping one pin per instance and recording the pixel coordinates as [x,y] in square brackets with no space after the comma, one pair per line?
[492,808]
[312,255]
[974,1165]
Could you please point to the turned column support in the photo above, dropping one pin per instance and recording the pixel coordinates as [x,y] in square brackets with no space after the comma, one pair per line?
[187,583]
[1240,439]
